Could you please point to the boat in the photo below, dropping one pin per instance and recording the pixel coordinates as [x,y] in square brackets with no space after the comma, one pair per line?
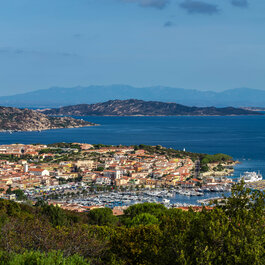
[165,201]
[185,192]
[250,177]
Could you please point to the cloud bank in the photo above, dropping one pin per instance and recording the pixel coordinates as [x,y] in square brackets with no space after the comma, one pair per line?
[18,51]
[199,7]
[239,3]
[191,6]
[169,24]
[159,4]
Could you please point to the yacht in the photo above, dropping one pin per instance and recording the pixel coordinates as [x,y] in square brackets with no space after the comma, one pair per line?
[250,177]
[165,201]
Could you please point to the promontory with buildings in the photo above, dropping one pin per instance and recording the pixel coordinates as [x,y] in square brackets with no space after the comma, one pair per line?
[67,171]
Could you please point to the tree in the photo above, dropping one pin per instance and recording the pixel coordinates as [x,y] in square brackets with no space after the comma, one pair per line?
[204,168]
[153,208]
[9,190]
[137,245]
[144,219]
[102,216]
[56,216]
[100,169]
[19,195]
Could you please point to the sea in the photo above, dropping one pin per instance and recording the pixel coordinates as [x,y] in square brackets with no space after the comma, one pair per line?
[242,137]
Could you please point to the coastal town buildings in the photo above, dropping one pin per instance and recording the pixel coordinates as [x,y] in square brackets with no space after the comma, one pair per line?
[38,168]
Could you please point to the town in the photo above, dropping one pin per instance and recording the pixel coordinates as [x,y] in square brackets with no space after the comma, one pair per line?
[81,177]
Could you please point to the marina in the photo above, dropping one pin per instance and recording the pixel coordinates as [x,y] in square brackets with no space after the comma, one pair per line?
[167,198]
[76,194]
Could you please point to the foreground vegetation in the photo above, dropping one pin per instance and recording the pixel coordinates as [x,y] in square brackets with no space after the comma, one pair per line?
[233,232]
[37,257]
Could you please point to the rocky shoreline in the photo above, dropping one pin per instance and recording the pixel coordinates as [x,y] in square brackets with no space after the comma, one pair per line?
[46,129]
[19,120]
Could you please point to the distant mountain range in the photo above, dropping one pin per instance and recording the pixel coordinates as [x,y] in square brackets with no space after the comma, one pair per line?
[13,119]
[133,107]
[56,97]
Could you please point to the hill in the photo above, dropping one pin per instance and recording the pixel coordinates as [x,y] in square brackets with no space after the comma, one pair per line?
[133,107]
[13,119]
[59,96]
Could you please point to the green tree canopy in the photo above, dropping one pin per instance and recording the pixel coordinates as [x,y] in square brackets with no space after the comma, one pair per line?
[144,219]
[102,216]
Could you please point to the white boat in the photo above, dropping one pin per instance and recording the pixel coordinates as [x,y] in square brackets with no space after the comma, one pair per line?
[250,177]
[166,201]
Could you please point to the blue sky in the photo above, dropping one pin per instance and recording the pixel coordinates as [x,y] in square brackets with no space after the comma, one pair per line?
[205,45]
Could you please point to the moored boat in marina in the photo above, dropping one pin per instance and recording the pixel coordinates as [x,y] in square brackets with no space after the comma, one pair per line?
[250,177]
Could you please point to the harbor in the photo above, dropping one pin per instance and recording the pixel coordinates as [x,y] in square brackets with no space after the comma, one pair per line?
[167,198]
[82,196]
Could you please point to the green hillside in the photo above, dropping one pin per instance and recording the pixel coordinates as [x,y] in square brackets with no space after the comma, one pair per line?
[233,232]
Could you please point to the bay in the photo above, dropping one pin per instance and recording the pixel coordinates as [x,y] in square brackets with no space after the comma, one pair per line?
[242,137]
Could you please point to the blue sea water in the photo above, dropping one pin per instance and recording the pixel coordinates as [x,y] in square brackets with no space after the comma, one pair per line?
[242,137]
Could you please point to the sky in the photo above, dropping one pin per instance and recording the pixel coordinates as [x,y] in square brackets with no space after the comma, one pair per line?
[193,44]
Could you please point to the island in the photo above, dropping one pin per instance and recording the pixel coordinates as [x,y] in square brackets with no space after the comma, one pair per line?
[134,107]
[14,119]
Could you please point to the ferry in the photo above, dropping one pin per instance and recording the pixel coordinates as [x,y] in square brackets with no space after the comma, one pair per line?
[250,177]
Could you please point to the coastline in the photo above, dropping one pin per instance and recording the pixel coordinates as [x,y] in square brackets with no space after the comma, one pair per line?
[48,129]
[142,115]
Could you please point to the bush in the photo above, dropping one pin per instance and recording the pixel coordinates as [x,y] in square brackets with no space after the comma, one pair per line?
[39,258]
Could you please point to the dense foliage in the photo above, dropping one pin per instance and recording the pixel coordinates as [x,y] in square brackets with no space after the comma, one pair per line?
[13,158]
[20,196]
[40,258]
[216,158]
[170,153]
[65,145]
[233,232]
